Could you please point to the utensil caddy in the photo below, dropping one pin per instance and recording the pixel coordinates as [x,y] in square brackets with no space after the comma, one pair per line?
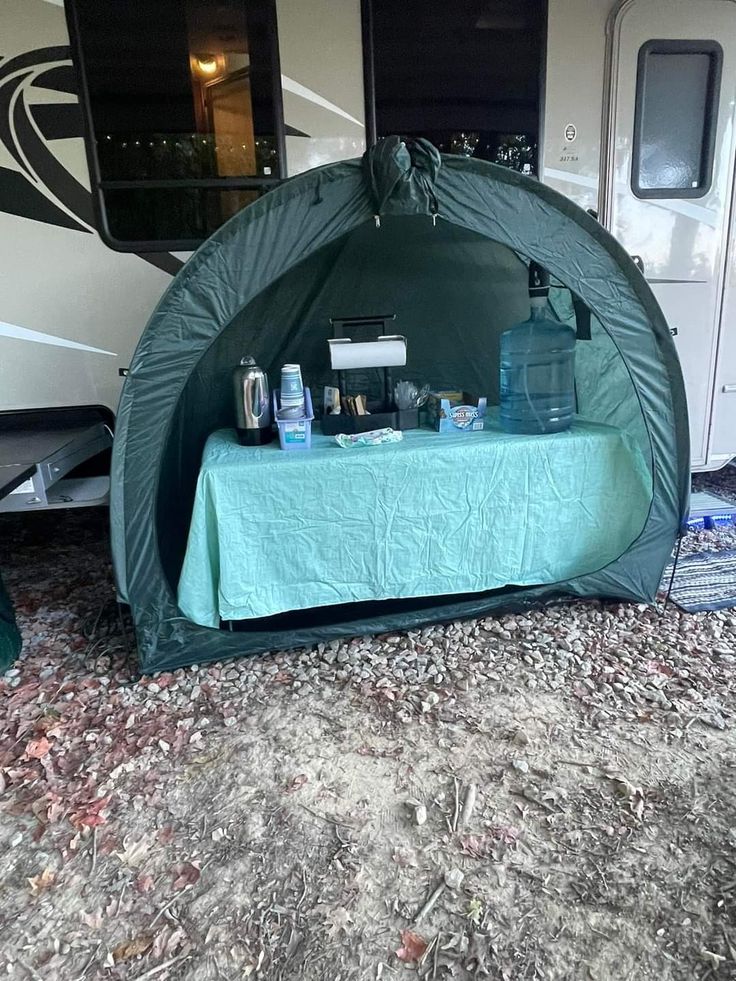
[382,413]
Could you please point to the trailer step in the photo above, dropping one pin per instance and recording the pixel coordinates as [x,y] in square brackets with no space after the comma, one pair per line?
[34,460]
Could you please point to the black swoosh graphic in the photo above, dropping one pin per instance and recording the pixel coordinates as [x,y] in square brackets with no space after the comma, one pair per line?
[21,193]
[59,79]
[59,122]
[67,188]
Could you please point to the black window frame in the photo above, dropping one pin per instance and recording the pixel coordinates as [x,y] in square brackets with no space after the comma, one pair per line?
[99,185]
[667,46]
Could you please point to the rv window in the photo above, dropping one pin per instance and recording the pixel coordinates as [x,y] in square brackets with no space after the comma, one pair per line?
[675,120]
[183,106]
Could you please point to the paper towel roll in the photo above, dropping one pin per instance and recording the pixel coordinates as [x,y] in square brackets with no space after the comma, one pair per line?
[388,353]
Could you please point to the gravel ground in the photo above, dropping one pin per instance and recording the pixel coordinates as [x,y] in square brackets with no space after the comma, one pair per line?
[562,783]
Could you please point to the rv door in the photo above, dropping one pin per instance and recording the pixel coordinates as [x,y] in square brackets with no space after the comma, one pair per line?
[667,179]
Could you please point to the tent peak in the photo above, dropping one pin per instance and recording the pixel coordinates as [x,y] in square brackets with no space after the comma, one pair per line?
[401,175]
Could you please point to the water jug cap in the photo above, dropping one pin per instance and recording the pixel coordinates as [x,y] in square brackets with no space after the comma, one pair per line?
[248,360]
[538,280]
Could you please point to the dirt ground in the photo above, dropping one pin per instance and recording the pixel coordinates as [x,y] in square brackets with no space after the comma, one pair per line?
[563,784]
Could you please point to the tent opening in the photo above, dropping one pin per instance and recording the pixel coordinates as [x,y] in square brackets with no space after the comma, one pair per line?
[453,292]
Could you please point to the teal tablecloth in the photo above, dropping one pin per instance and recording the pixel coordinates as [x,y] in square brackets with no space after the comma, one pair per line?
[433,515]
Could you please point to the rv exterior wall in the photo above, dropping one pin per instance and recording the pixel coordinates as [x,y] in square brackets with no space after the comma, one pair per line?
[573,98]
[72,308]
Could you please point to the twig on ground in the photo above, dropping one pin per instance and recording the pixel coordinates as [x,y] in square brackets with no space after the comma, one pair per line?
[326,817]
[120,897]
[31,970]
[92,956]
[468,805]
[164,909]
[431,903]
[726,937]
[427,951]
[456,812]
[94,852]
[152,972]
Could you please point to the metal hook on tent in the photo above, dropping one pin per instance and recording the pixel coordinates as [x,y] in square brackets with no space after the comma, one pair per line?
[434,219]
[377,219]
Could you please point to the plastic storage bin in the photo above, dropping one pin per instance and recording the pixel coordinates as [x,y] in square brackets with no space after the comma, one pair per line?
[295,434]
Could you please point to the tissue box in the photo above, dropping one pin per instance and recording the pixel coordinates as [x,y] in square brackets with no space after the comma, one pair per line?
[456,412]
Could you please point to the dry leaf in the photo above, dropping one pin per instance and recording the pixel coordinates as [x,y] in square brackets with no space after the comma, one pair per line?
[412,948]
[477,846]
[177,942]
[297,782]
[89,816]
[92,920]
[341,919]
[42,881]
[715,960]
[474,911]
[134,852]
[166,835]
[37,748]
[186,875]
[129,949]
[406,857]
[144,884]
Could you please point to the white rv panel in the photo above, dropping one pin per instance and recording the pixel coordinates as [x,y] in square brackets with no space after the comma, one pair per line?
[573,98]
[321,56]
[682,241]
[723,426]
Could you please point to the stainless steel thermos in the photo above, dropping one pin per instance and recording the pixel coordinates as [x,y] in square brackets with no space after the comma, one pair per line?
[252,404]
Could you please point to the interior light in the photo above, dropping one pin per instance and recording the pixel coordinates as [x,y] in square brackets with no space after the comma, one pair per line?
[207,64]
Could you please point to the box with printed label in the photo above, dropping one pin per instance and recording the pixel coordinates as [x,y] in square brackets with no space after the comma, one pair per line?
[456,412]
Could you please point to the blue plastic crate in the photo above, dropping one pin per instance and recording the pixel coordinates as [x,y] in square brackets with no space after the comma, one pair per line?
[723,520]
[295,434]
[695,524]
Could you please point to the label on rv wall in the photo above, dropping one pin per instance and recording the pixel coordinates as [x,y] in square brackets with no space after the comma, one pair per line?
[570,132]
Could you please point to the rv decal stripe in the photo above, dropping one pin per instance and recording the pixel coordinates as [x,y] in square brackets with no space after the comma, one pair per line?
[162,260]
[58,79]
[296,88]
[59,121]
[38,337]
[9,92]
[65,187]
[30,59]
[19,197]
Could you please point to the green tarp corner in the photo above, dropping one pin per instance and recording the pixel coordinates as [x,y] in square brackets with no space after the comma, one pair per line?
[444,243]
[9,635]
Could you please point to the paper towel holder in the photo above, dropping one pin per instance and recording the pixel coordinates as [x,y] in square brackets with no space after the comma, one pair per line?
[371,353]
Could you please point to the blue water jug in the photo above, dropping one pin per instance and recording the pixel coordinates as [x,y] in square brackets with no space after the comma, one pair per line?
[538,367]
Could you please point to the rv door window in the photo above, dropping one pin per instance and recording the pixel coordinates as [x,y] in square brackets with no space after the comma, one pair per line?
[184,117]
[675,118]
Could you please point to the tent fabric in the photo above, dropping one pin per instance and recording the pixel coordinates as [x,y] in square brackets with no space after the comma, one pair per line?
[266,283]
[381,531]
[10,640]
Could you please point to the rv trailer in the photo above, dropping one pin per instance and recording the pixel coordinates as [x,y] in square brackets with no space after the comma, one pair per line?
[125,140]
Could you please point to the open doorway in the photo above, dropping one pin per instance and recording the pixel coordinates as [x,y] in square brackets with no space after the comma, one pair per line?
[465,75]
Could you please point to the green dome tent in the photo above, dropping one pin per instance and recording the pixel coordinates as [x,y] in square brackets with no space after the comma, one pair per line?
[444,243]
